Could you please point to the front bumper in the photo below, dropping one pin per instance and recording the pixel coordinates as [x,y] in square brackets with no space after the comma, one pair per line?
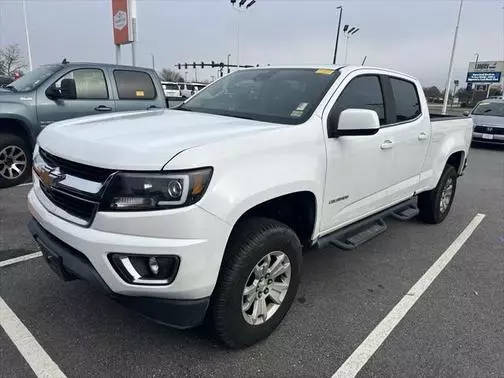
[197,237]
[70,264]
[496,138]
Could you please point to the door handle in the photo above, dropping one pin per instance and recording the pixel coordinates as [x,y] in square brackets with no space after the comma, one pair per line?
[387,145]
[103,108]
[423,136]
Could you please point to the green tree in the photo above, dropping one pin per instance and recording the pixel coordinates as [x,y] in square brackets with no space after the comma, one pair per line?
[169,75]
[432,92]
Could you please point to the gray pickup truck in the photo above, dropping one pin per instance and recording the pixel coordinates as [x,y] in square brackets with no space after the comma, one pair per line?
[56,92]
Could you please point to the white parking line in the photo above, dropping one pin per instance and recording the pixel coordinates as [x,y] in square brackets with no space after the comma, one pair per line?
[365,351]
[20,258]
[25,184]
[40,362]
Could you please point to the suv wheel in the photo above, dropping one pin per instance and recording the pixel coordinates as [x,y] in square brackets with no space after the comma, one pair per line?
[435,205]
[15,160]
[258,281]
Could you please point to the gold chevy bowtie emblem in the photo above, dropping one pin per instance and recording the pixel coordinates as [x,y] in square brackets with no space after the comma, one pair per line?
[49,176]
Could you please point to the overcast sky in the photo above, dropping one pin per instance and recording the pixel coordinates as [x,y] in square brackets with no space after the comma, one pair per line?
[413,36]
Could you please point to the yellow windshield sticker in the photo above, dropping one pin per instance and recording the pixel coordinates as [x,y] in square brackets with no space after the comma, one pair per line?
[324,71]
[140,93]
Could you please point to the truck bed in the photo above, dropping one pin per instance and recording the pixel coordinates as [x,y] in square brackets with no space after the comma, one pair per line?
[434,117]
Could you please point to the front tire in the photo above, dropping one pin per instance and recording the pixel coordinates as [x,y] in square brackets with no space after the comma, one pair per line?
[435,204]
[258,281]
[15,160]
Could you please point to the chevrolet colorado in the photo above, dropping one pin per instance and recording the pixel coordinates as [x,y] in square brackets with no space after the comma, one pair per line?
[202,211]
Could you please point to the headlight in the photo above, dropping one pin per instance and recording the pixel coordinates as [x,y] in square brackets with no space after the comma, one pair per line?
[153,191]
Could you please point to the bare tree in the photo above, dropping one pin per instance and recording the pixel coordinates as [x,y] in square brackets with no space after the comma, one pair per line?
[169,75]
[11,60]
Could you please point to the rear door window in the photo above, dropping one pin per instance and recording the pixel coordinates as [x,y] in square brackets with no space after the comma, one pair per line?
[134,85]
[407,102]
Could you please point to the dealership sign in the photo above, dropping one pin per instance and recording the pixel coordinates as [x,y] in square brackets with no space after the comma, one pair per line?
[483,77]
[121,20]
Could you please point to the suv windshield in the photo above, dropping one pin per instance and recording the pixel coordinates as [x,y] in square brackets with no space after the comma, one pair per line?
[495,109]
[282,95]
[33,78]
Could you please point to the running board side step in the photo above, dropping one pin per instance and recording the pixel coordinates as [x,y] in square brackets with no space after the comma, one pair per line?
[350,237]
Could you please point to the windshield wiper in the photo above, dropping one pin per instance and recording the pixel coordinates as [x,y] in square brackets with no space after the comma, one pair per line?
[180,107]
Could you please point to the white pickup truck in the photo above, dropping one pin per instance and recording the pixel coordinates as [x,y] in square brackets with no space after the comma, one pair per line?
[202,211]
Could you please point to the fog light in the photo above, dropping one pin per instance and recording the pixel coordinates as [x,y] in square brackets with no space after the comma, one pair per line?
[145,269]
[153,265]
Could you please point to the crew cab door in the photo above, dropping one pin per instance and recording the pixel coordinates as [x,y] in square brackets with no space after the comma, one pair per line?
[81,92]
[412,133]
[136,91]
[360,167]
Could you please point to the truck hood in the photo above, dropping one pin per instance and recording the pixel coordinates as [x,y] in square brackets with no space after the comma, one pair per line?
[144,140]
[492,121]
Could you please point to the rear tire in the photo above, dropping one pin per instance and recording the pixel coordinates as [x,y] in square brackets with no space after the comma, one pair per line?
[255,246]
[15,160]
[435,204]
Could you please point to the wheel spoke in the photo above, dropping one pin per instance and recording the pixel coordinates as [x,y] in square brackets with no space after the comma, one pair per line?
[275,296]
[280,269]
[251,299]
[260,310]
[279,260]
[279,287]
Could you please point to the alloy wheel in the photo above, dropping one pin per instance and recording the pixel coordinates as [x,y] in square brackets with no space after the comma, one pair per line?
[266,288]
[13,162]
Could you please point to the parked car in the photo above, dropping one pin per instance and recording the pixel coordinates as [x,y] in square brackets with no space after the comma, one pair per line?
[199,86]
[56,92]
[171,90]
[203,210]
[488,118]
[186,89]
[5,80]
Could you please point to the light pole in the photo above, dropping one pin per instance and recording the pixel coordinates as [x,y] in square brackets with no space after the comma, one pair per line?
[348,31]
[27,36]
[476,63]
[240,10]
[153,63]
[228,56]
[337,35]
[450,70]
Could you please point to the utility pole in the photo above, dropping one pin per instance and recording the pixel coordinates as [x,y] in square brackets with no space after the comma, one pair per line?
[134,26]
[228,56]
[153,62]
[30,64]
[450,70]
[239,10]
[337,35]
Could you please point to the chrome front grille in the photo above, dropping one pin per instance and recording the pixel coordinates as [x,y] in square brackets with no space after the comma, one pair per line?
[73,189]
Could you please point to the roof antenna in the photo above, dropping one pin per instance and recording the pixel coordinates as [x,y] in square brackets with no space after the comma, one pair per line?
[65,61]
[364,61]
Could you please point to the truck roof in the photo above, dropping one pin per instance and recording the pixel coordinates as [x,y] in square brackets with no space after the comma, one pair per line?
[93,64]
[334,67]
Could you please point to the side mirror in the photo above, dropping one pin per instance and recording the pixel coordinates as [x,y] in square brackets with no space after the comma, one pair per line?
[354,122]
[52,93]
[467,113]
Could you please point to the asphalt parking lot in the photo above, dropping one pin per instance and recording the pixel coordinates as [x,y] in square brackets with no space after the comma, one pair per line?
[455,328]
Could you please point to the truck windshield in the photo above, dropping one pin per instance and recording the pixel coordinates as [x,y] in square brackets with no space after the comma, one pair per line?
[33,78]
[282,95]
[495,109]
